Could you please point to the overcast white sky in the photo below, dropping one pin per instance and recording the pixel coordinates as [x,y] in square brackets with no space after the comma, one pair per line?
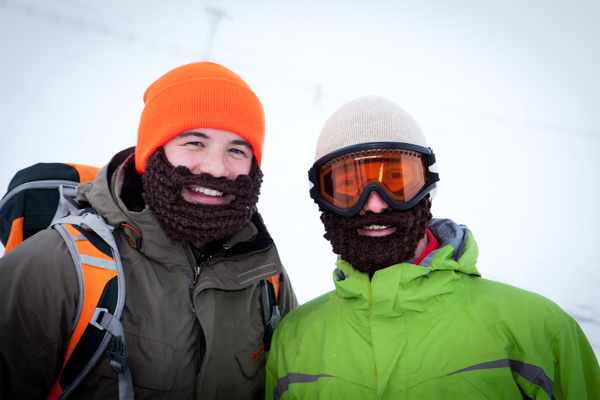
[507,94]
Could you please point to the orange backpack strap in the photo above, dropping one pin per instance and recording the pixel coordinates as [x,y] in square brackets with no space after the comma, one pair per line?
[274,280]
[101,300]
[271,314]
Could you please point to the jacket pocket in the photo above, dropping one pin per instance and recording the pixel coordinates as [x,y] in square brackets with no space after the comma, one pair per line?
[153,365]
[249,348]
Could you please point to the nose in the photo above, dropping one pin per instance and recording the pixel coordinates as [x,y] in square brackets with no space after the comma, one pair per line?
[374,204]
[212,164]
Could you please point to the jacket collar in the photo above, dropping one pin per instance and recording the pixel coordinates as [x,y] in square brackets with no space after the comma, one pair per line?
[104,195]
[403,287]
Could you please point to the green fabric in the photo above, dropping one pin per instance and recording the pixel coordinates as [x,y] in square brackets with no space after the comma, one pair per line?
[426,324]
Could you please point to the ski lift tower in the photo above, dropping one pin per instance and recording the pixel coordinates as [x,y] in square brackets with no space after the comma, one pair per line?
[215,16]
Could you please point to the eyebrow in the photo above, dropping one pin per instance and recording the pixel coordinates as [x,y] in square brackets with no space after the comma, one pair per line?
[242,143]
[204,136]
[198,134]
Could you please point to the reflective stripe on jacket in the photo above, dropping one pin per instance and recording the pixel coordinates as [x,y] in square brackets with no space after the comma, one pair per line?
[431,331]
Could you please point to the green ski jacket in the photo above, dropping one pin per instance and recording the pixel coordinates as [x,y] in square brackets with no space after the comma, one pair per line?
[431,331]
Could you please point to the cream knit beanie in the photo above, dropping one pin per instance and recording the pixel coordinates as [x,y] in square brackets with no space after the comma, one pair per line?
[367,120]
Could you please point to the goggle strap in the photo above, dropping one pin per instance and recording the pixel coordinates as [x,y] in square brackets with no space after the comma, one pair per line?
[433,176]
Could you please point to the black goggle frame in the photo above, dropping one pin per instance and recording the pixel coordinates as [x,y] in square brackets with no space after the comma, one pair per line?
[426,152]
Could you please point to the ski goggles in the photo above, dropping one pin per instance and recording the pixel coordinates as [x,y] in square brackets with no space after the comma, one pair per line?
[401,173]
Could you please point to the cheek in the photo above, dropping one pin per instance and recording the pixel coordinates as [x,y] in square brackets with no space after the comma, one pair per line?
[178,157]
[241,167]
[170,152]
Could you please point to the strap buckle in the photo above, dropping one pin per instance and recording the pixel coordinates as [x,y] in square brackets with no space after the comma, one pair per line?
[118,354]
[96,316]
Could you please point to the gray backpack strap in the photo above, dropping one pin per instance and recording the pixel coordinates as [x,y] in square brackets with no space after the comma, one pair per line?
[118,355]
[46,184]
[115,333]
[66,201]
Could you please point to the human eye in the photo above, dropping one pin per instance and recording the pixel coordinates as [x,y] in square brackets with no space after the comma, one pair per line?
[393,178]
[345,183]
[347,187]
[238,152]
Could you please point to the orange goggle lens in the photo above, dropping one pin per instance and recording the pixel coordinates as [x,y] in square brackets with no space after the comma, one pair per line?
[401,173]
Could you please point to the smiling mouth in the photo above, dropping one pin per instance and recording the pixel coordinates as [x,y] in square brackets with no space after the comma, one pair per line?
[204,195]
[375,227]
[206,191]
[376,230]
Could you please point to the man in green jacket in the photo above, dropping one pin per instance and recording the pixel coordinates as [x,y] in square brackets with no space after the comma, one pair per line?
[193,247]
[411,317]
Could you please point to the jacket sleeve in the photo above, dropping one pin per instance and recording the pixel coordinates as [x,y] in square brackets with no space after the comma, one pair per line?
[272,372]
[287,302]
[576,373]
[38,295]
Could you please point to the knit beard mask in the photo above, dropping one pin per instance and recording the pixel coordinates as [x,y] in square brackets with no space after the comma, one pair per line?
[370,254]
[192,223]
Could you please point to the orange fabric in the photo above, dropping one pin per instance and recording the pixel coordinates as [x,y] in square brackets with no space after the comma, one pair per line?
[198,95]
[95,279]
[55,391]
[16,235]
[275,281]
[86,173]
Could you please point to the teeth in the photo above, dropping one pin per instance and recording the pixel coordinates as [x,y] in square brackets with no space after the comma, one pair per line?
[207,191]
[375,227]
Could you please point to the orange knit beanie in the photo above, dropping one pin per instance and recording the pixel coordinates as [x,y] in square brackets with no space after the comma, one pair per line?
[198,95]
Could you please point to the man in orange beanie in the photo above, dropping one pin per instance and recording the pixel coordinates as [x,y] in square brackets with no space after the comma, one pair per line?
[195,252]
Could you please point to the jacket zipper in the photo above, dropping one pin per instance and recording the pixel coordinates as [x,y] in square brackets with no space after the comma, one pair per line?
[201,346]
[195,272]
[243,256]
[197,268]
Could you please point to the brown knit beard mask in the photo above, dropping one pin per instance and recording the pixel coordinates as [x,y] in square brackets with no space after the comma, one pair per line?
[198,223]
[370,254]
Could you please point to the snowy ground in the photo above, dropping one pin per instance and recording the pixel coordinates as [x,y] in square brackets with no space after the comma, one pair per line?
[507,94]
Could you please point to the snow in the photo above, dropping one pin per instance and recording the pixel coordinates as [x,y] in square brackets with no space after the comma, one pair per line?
[506,93]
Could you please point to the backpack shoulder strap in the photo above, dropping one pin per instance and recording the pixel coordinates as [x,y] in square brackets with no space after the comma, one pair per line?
[274,281]
[101,300]
[271,314]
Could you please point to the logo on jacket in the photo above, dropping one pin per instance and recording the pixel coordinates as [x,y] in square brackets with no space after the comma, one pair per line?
[257,353]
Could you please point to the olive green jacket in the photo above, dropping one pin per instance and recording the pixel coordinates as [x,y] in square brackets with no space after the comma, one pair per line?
[188,336]
[431,331]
